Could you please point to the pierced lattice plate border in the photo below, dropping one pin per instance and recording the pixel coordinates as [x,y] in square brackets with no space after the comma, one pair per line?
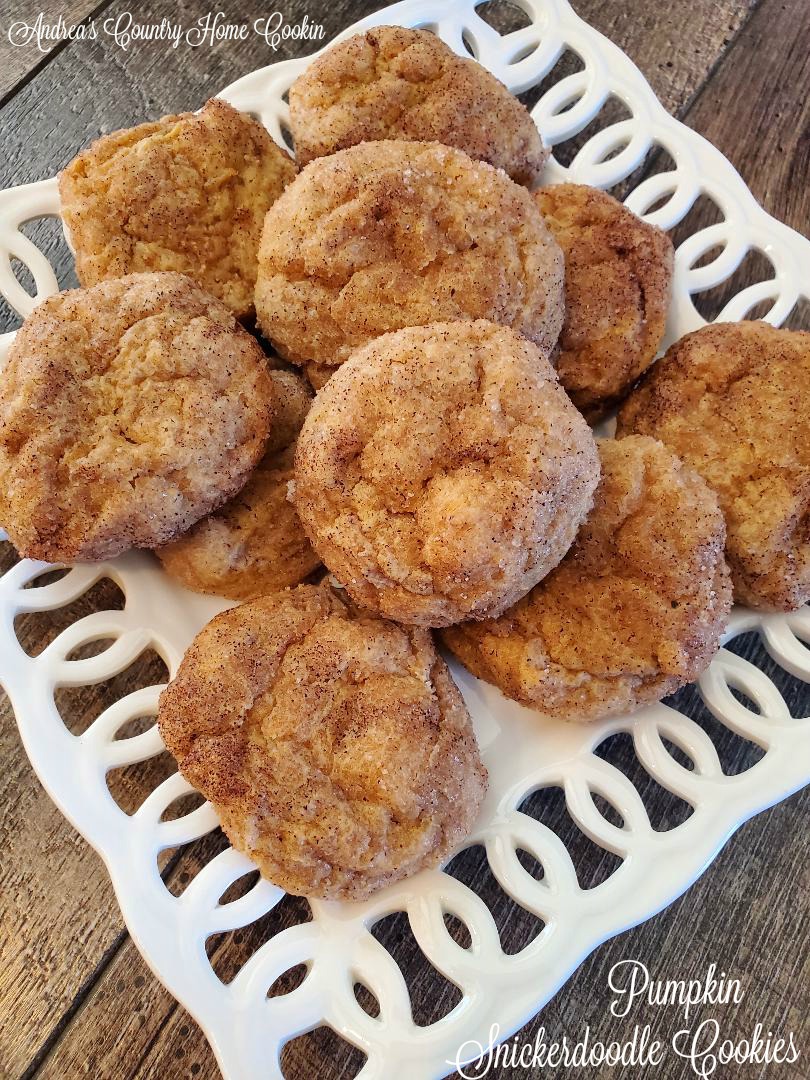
[246,1028]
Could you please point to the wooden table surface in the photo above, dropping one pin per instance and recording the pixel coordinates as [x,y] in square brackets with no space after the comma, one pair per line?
[76,999]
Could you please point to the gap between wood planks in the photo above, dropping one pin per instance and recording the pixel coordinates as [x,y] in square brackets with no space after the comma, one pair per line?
[55,1034]
[649,166]
[720,59]
[106,959]
[60,46]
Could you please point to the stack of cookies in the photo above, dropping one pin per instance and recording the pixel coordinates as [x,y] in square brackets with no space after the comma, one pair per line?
[359,398]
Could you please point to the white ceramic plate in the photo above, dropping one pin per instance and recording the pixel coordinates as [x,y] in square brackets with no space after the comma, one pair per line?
[246,1028]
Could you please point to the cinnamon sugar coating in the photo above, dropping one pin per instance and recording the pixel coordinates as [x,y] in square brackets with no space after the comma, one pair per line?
[618,278]
[128,411]
[254,544]
[442,472]
[186,193]
[391,234]
[733,400]
[635,610]
[395,83]
[334,745]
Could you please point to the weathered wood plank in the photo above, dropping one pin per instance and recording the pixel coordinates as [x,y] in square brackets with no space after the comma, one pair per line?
[133,1029]
[22,50]
[128,1003]
[676,45]
[756,109]
[57,910]
[129,1010]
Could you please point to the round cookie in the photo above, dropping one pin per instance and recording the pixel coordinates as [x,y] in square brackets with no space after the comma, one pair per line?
[393,234]
[618,276]
[733,401]
[442,471]
[255,543]
[396,83]
[186,193]
[635,610]
[128,411]
[334,745]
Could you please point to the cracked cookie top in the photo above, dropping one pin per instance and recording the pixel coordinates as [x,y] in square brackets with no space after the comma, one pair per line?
[334,745]
[186,193]
[733,401]
[635,610]
[396,83]
[618,276]
[393,234]
[128,411]
[442,471]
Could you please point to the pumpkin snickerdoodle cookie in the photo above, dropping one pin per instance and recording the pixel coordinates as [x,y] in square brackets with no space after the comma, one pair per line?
[392,234]
[395,83]
[128,411]
[635,610]
[442,471]
[333,744]
[186,193]
[733,400]
[618,276]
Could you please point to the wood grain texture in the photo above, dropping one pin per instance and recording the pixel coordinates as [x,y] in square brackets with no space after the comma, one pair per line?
[21,56]
[676,45]
[132,1029]
[757,109]
[75,997]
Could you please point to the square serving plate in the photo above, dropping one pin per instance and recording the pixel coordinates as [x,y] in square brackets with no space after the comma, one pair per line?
[246,1028]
